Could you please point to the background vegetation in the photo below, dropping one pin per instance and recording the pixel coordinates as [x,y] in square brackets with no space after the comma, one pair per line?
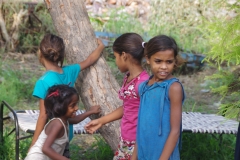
[207,27]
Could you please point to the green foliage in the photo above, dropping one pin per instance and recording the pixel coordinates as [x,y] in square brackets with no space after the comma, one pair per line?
[99,150]
[7,148]
[224,38]
[33,27]
[45,18]
[118,21]
[122,22]
[15,86]
[223,79]
[179,22]
[32,33]
[207,146]
[97,23]
[225,42]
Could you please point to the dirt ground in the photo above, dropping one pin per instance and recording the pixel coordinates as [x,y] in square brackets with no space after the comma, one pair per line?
[198,96]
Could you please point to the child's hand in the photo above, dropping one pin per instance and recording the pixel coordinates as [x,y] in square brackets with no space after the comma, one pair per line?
[100,43]
[95,109]
[92,126]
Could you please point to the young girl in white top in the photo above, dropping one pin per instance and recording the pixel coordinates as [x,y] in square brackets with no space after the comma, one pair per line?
[60,104]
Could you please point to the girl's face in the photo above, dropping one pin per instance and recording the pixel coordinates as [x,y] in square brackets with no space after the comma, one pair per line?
[120,62]
[162,64]
[72,107]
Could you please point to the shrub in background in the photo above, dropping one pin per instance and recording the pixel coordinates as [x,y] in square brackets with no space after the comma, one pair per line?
[224,39]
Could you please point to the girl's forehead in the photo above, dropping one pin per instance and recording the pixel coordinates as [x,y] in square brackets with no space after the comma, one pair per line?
[75,98]
[167,54]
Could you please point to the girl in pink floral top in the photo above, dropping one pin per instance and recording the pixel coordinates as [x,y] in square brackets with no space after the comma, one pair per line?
[128,51]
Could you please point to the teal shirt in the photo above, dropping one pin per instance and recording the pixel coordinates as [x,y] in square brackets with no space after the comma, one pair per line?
[50,78]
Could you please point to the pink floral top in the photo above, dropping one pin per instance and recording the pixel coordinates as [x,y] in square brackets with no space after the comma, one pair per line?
[129,94]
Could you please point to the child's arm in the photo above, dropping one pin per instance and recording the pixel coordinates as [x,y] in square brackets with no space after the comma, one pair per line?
[92,126]
[93,57]
[176,96]
[134,155]
[53,131]
[79,118]
[42,119]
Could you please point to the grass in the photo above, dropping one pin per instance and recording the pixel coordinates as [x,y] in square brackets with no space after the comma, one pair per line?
[7,148]
[207,146]
[98,150]
[16,86]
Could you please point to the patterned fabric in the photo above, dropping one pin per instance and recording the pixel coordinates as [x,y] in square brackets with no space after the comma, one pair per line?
[197,122]
[125,150]
[129,94]
[128,91]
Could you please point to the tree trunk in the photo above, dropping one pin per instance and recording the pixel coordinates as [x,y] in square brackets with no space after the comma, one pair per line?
[17,20]
[3,26]
[96,85]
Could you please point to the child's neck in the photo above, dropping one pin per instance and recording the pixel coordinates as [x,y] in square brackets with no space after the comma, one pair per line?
[64,120]
[53,67]
[134,71]
[155,80]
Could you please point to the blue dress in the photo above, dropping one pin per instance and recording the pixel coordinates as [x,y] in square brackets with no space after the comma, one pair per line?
[154,120]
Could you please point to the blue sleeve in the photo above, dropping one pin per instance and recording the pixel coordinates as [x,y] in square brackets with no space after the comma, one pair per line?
[76,70]
[140,88]
[73,71]
[40,89]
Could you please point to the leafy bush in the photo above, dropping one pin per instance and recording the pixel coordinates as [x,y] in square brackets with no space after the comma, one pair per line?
[224,38]
[33,27]
[207,146]
[7,148]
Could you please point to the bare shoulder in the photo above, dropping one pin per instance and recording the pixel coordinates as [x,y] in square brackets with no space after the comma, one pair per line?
[55,124]
[175,89]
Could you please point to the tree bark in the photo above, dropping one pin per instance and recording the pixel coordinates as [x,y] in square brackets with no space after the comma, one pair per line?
[96,85]
[3,26]
[17,20]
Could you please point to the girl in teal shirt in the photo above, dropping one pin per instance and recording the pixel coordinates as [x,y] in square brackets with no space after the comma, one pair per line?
[51,56]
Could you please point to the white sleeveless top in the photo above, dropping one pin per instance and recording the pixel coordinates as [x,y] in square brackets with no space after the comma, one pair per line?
[58,145]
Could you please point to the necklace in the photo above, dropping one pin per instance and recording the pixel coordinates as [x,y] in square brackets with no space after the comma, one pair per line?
[129,80]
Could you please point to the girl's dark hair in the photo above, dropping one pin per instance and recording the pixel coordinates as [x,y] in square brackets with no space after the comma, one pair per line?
[52,48]
[162,43]
[130,43]
[58,99]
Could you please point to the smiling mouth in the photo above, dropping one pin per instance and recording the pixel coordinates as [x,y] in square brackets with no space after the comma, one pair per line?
[163,73]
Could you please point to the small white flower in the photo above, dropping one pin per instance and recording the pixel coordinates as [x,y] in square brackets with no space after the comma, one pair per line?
[131,87]
[127,92]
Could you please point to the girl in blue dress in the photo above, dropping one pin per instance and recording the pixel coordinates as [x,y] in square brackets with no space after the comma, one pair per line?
[161,100]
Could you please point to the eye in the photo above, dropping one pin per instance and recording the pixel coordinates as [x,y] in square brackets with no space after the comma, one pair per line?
[158,61]
[170,61]
[73,105]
